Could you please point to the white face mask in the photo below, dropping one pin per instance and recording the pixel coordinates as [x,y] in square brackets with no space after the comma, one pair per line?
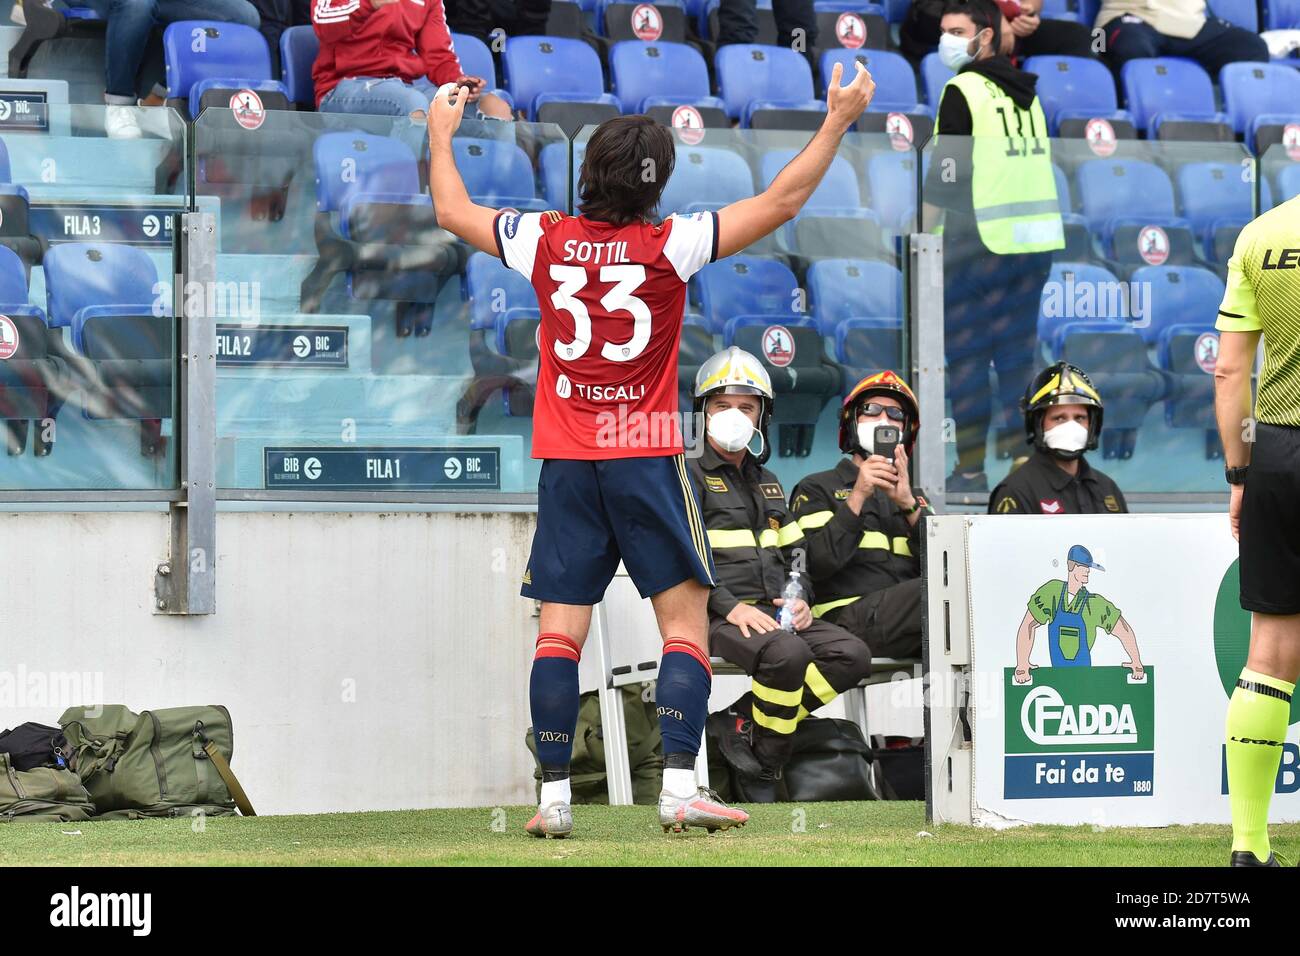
[1067,436]
[954,51]
[867,436]
[732,429]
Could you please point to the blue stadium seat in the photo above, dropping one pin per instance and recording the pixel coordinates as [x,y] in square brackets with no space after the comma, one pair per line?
[934,76]
[891,178]
[475,58]
[204,55]
[693,351]
[1063,10]
[350,164]
[1245,14]
[896,10]
[1078,242]
[1278,15]
[840,289]
[870,30]
[493,288]
[833,222]
[869,344]
[28,378]
[516,333]
[1079,89]
[1161,90]
[545,69]
[298,49]
[1079,287]
[737,323]
[1178,295]
[621,20]
[706,177]
[745,285]
[654,74]
[895,89]
[1258,95]
[557,176]
[497,173]
[1218,201]
[749,72]
[1288,182]
[1121,197]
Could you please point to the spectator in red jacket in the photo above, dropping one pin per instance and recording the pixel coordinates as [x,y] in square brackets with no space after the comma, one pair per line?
[389,57]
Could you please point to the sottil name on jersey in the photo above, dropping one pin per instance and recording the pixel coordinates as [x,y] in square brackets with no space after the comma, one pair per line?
[597,253]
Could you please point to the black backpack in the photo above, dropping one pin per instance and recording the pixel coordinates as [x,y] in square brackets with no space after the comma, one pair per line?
[32,745]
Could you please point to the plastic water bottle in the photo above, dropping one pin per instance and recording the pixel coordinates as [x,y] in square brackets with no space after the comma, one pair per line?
[793,592]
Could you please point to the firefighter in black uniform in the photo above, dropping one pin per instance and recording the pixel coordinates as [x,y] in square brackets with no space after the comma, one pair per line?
[756,545]
[1063,414]
[862,521]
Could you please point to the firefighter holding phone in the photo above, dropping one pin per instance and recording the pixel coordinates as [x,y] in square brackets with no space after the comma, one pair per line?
[862,521]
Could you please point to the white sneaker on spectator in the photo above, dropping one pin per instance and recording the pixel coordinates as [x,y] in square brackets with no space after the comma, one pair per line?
[121,122]
[155,121]
[17,15]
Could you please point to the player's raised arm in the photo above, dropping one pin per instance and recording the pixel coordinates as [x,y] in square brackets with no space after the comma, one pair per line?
[742,224]
[456,213]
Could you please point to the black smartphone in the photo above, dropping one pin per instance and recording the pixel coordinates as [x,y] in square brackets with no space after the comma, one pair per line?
[885,441]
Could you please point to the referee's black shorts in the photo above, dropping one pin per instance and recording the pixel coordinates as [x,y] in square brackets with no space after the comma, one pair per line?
[1270,523]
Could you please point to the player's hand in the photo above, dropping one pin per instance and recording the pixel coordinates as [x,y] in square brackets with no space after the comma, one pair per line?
[1235,494]
[444,115]
[475,85]
[844,104]
[802,613]
[1023,673]
[1139,672]
[746,616]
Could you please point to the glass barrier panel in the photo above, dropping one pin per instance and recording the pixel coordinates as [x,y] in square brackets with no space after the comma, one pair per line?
[359,346]
[87,236]
[1279,170]
[1105,252]
[820,302]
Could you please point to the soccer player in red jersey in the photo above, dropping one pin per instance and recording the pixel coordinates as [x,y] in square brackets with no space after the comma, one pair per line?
[612,288]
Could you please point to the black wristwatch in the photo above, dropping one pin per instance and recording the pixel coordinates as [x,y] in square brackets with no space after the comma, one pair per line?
[1236,476]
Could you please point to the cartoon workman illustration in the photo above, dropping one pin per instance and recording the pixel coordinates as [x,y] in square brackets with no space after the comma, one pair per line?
[1072,614]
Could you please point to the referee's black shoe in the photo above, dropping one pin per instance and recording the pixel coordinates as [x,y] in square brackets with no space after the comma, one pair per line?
[1246,858]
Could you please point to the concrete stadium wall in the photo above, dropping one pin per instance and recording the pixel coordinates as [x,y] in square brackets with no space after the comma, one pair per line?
[371,661]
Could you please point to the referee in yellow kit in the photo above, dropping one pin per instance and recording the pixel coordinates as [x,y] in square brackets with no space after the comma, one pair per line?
[1262,455]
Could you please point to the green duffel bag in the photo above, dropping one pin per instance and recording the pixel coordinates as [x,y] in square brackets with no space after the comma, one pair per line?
[158,763]
[42,794]
[587,781]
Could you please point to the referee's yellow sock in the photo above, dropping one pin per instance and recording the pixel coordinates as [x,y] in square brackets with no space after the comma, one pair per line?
[1256,728]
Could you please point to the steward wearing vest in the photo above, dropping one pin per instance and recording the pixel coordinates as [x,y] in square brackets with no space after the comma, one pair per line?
[756,543]
[862,522]
[991,181]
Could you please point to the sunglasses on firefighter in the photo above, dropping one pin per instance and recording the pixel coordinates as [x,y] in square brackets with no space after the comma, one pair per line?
[872,409]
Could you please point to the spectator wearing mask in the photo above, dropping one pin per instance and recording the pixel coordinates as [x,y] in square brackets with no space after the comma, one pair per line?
[130,24]
[756,544]
[992,184]
[1146,28]
[1063,414]
[1024,32]
[389,57]
[862,522]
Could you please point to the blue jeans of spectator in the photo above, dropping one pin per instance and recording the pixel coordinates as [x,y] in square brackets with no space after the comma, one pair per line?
[130,23]
[381,96]
[1216,45]
[738,23]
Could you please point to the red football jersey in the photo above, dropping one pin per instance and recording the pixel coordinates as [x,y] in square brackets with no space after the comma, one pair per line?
[611,300]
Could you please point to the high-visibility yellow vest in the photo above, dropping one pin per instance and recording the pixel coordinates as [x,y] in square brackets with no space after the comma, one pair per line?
[1013,188]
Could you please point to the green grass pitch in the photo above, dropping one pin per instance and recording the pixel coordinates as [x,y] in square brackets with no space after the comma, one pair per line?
[815,834]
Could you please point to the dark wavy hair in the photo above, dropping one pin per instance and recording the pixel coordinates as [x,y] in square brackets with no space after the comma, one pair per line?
[983,13]
[628,162]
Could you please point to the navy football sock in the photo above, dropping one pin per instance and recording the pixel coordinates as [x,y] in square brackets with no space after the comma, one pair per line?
[553,697]
[682,700]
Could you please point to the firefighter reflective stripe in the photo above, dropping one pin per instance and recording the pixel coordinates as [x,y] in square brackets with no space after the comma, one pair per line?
[820,609]
[782,698]
[778,725]
[815,520]
[1013,185]
[818,684]
[788,534]
[877,539]
[743,538]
